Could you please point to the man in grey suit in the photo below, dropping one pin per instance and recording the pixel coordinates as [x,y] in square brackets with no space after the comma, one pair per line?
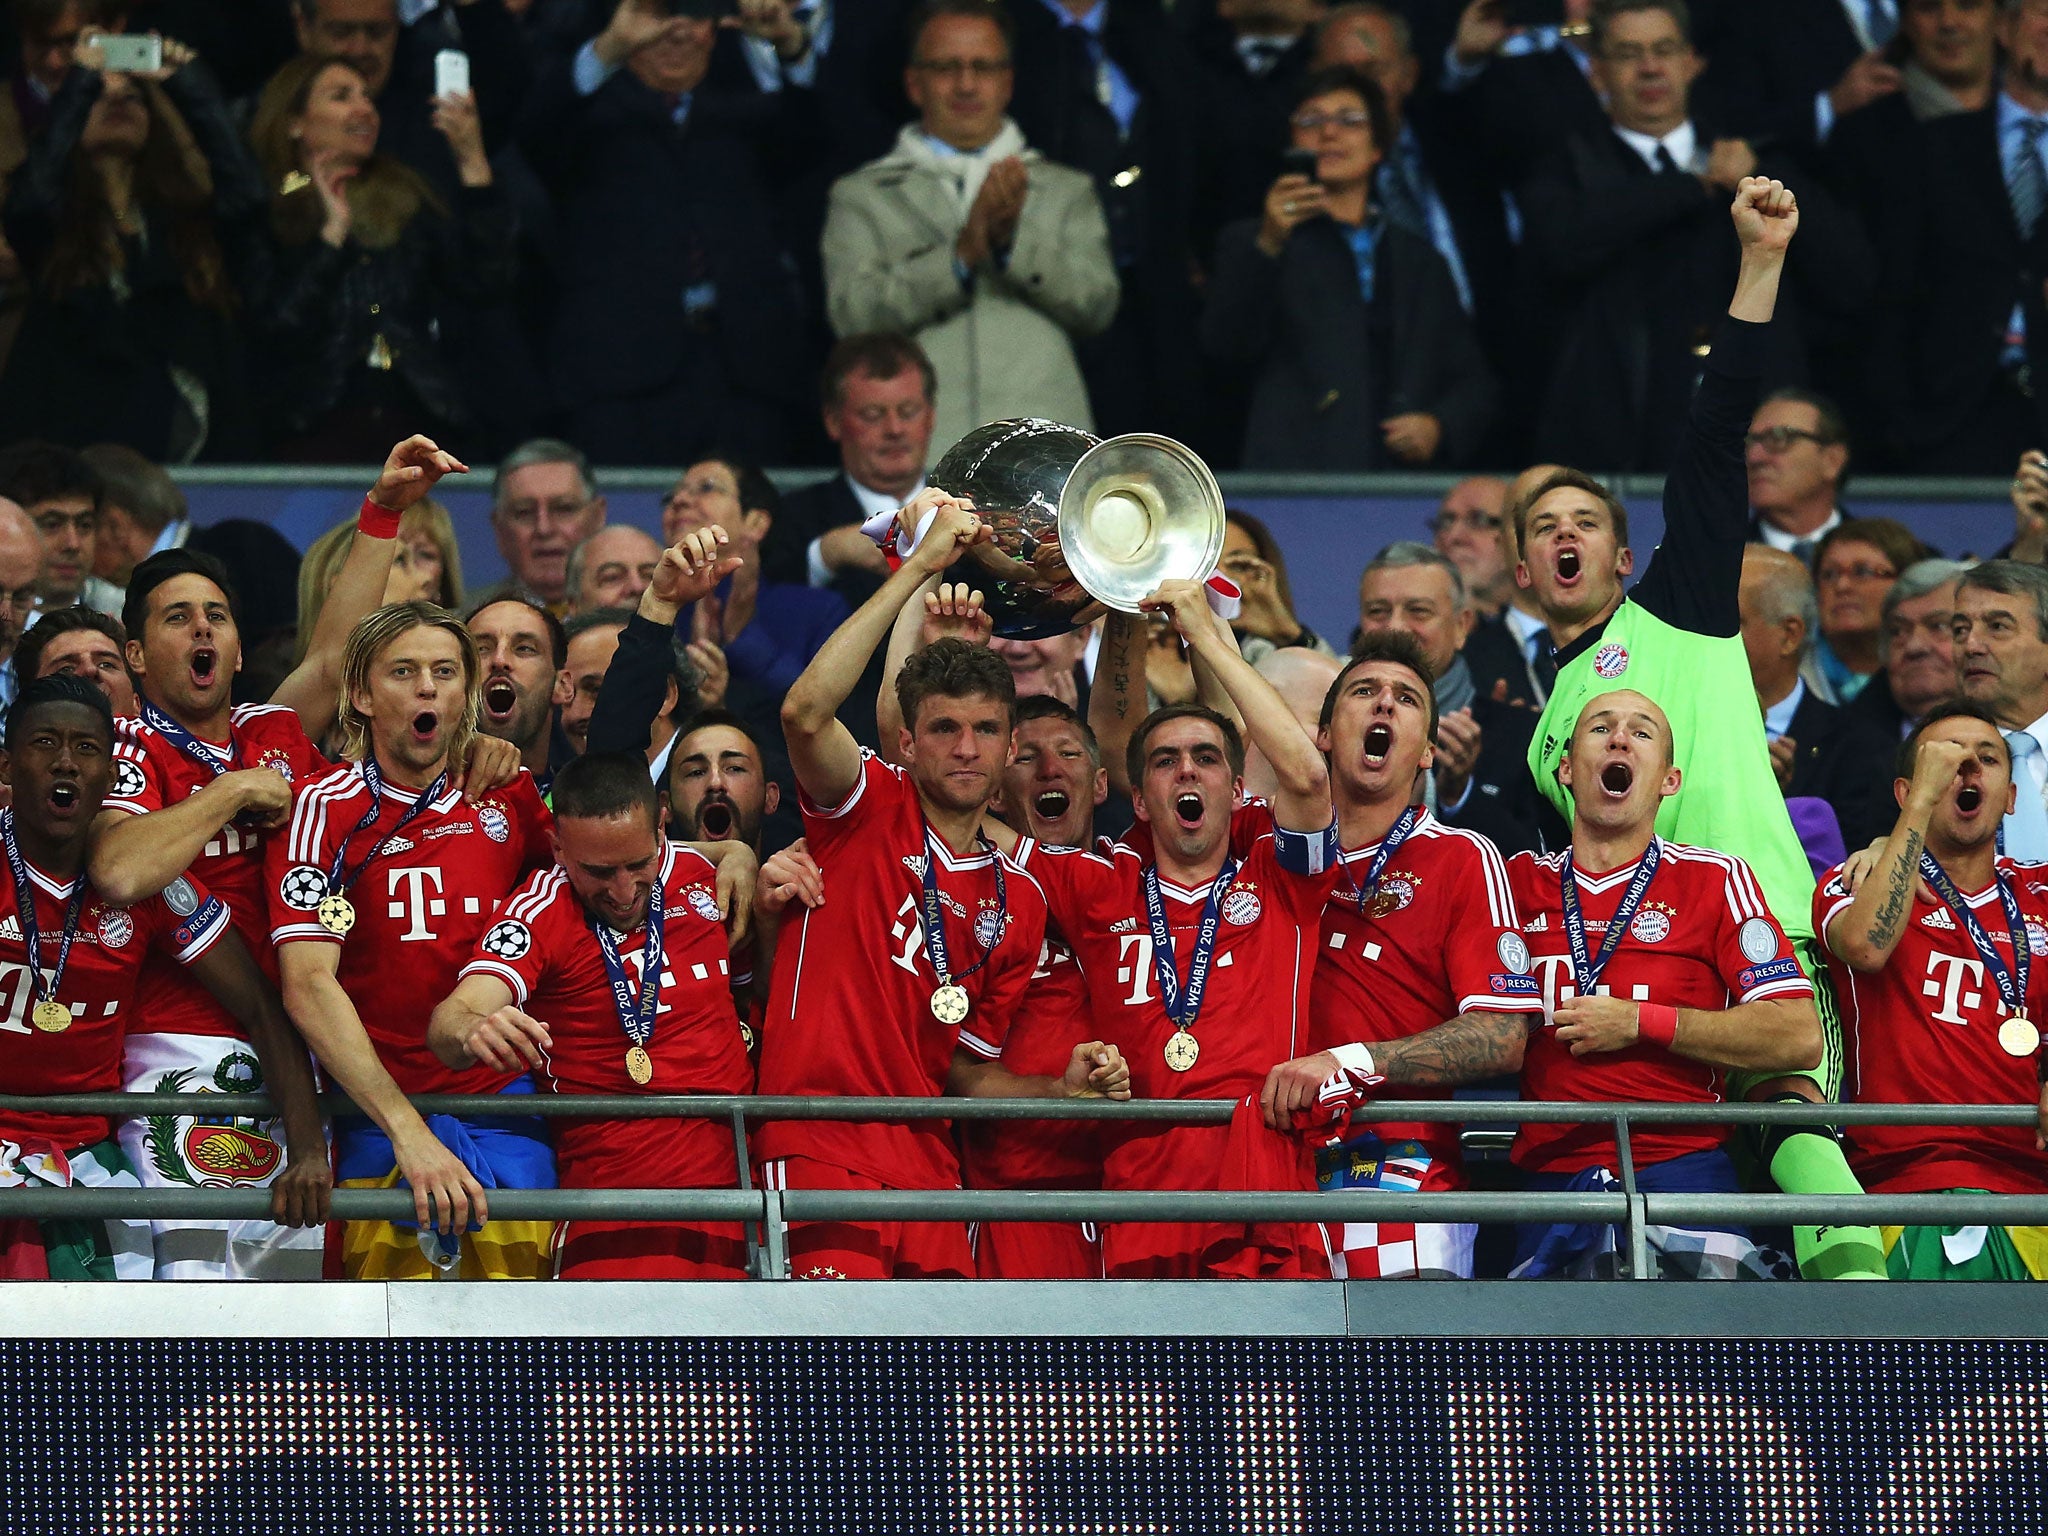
[991,256]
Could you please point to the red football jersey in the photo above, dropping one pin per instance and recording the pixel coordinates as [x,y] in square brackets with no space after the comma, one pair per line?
[421,904]
[1702,938]
[542,948]
[1054,1017]
[149,774]
[1924,1030]
[1440,939]
[182,921]
[849,1009]
[1256,1009]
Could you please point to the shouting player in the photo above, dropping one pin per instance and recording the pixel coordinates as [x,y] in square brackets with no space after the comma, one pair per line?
[1676,638]
[71,960]
[1940,998]
[1662,969]
[200,783]
[608,973]
[525,657]
[1423,978]
[907,980]
[1201,961]
[379,894]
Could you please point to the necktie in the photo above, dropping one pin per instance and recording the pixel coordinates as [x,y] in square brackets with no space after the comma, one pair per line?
[1398,195]
[1542,662]
[1261,54]
[1881,19]
[2026,829]
[2029,186]
[1804,549]
[1666,165]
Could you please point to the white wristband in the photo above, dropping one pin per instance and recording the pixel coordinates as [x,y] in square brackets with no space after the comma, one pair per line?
[1354,1058]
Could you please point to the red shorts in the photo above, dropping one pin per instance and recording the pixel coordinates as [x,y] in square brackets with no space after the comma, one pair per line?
[885,1250]
[1167,1250]
[643,1250]
[1037,1250]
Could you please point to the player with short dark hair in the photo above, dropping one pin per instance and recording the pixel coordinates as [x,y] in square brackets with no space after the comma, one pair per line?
[1423,978]
[1662,970]
[200,784]
[609,973]
[1941,999]
[379,894]
[71,962]
[85,643]
[525,655]
[907,981]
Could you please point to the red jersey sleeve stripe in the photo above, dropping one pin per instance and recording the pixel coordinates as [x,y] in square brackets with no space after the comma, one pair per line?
[979,1046]
[1500,896]
[1789,988]
[206,938]
[834,812]
[299,933]
[504,973]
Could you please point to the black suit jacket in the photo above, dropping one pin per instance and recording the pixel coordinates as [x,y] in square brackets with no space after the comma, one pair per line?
[1847,762]
[1495,658]
[805,515]
[1783,55]
[1956,265]
[1503,805]
[1302,322]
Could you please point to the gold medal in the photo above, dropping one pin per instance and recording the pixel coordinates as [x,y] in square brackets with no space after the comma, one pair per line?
[640,1066]
[1182,1049]
[746,1035]
[2017,1036]
[51,1016]
[337,914]
[949,1004]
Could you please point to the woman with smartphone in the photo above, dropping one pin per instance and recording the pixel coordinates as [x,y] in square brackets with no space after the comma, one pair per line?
[1365,357]
[358,265]
[118,217]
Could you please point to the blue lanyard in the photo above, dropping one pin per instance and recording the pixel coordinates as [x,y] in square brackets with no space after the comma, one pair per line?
[932,914]
[189,744]
[1397,834]
[25,901]
[339,876]
[636,1014]
[1586,971]
[1184,1005]
[2012,984]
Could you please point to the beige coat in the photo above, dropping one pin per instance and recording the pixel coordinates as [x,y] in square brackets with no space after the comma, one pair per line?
[1002,342]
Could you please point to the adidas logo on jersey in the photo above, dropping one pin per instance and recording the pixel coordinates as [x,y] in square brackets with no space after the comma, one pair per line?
[1540,923]
[396,845]
[1124,925]
[10,927]
[1939,918]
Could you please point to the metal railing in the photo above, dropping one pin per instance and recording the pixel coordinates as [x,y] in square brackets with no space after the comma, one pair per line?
[769,1213]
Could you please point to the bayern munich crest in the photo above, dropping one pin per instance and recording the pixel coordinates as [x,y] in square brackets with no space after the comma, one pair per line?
[128,780]
[988,927]
[496,824]
[1396,892]
[1650,927]
[302,887]
[507,940]
[116,927]
[2037,939]
[278,758]
[1241,908]
[1611,660]
[704,904]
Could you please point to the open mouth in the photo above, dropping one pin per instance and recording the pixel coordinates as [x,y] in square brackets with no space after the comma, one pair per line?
[205,663]
[500,697]
[1187,809]
[425,725]
[716,820]
[1617,779]
[63,796]
[1969,798]
[1568,564]
[1050,804]
[1379,741]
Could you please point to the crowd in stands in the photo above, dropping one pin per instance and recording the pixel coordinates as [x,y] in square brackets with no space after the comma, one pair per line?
[1296,234]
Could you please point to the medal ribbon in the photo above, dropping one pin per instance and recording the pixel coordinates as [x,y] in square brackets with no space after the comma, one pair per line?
[1390,845]
[339,876]
[636,1013]
[931,913]
[25,900]
[189,744]
[2012,984]
[1585,971]
[1183,1005]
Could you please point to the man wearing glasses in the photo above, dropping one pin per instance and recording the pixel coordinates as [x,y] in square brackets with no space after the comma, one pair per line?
[543,505]
[1025,266]
[1797,451]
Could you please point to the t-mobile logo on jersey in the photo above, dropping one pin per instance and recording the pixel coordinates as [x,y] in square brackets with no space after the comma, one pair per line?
[415,894]
[1958,972]
[1554,970]
[907,932]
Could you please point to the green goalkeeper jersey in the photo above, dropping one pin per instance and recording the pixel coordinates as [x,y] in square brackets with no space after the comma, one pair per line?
[1676,640]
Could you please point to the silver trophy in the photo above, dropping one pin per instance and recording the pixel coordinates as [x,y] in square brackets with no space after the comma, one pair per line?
[1081,523]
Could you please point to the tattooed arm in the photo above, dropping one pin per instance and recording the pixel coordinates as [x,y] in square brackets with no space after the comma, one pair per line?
[1865,932]
[1467,1049]
[1116,698]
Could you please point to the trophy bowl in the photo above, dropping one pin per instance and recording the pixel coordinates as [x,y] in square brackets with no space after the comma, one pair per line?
[1081,523]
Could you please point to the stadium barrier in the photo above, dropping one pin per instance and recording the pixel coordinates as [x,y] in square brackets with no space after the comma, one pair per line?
[769,1213]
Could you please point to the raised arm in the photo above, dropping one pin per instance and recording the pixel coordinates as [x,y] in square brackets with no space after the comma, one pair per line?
[823,753]
[1301,799]
[1865,932]
[936,611]
[636,683]
[314,688]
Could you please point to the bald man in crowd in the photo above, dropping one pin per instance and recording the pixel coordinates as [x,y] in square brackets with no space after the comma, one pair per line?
[611,568]
[1301,677]
[21,562]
